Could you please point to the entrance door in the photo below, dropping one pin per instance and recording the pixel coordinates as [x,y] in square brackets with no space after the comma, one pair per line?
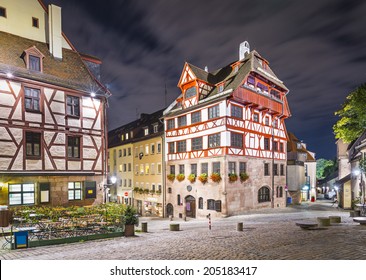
[169,210]
[190,206]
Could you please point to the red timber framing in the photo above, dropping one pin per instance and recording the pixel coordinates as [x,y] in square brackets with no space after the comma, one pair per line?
[54,125]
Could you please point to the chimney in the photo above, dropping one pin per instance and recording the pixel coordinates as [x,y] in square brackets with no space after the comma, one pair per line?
[243,50]
[55,36]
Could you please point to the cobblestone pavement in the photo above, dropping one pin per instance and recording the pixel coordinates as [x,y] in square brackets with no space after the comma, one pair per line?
[268,234]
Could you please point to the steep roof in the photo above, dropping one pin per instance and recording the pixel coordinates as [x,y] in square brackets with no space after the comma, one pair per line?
[292,147]
[70,72]
[137,127]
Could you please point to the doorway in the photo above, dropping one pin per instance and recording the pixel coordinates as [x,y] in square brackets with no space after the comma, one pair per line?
[190,206]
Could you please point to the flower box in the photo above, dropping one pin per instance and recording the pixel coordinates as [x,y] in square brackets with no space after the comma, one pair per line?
[171,177]
[243,177]
[216,177]
[180,177]
[192,178]
[233,177]
[203,178]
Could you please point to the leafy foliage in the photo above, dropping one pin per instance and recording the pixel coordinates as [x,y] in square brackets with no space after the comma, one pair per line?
[325,167]
[352,115]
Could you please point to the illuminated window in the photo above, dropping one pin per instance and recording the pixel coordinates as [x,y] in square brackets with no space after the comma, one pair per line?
[32,98]
[21,194]
[74,190]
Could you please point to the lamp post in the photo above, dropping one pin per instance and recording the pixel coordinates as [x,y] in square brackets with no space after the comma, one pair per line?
[107,186]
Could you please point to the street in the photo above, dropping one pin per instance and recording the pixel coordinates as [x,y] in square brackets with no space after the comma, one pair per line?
[268,234]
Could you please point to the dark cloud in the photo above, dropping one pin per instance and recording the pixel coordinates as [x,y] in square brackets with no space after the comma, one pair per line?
[316,47]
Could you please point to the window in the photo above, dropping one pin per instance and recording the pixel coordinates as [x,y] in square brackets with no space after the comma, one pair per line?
[33,144]
[236,111]
[171,148]
[21,194]
[73,106]
[159,168]
[35,22]
[275,146]
[214,112]
[178,200]
[256,117]
[266,144]
[34,63]
[210,204]
[190,92]
[281,147]
[194,169]
[181,168]
[171,124]
[119,153]
[204,167]
[182,121]
[124,152]
[152,169]
[73,147]
[142,169]
[236,140]
[129,167]
[155,128]
[216,167]
[263,194]
[181,146]
[74,190]
[266,121]
[126,135]
[120,168]
[152,149]
[2,12]
[32,99]
[242,167]
[275,169]
[200,203]
[196,143]
[282,170]
[169,190]
[147,149]
[196,117]
[130,183]
[124,167]
[136,151]
[146,131]
[214,140]
[159,148]
[129,151]
[279,191]
[221,88]
[251,80]
[153,188]
[266,169]
[232,167]
[137,169]
[172,169]
[44,192]
[147,169]
[275,94]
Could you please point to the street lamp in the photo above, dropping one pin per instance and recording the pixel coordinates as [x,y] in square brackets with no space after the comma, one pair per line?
[357,172]
[306,189]
[107,186]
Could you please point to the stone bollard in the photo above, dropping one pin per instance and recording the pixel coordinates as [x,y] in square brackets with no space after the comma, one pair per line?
[335,219]
[144,227]
[323,221]
[239,227]
[171,217]
[174,227]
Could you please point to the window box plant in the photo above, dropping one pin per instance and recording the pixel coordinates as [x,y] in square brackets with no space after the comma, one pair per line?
[146,191]
[243,177]
[203,178]
[171,177]
[158,192]
[141,190]
[233,177]
[152,192]
[216,177]
[192,178]
[180,177]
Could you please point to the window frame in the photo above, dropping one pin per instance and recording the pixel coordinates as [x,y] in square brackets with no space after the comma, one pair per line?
[74,190]
[264,194]
[266,169]
[212,140]
[32,135]
[170,124]
[28,92]
[77,145]
[213,112]
[211,204]
[5,13]
[181,146]
[235,110]
[196,117]
[73,106]
[236,140]
[182,121]
[21,192]
[35,22]
[196,143]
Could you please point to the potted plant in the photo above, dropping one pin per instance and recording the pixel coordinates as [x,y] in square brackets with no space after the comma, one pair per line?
[216,177]
[180,177]
[146,191]
[152,192]
[192,178]
[203,178]
[233,177]
[130,219]
[171,177]
[141,190]
[243,177]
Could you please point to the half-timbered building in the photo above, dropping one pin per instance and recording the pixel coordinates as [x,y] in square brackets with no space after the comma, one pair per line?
[225,139]
[52,111]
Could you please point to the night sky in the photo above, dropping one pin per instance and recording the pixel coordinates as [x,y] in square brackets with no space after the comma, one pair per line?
[318,48]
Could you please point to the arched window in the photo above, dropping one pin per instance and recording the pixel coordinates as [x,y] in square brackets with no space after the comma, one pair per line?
[263,194]
[200,203]
[281,192]
[178,200]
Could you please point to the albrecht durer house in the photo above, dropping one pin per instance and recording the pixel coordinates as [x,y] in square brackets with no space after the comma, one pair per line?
[225,139]
[52,111]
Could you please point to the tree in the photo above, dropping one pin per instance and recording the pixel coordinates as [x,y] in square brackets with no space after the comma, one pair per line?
[325,167]
[352,115]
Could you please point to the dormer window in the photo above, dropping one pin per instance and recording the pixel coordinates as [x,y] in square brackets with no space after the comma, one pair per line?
[33,59]
[146,131]
[190,92]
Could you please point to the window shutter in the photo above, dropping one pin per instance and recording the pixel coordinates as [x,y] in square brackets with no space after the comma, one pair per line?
[218,205]
[44,189]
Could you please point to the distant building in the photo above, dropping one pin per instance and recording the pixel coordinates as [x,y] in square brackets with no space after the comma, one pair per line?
[301,170]
[225,125]
[136,159]
[52,112]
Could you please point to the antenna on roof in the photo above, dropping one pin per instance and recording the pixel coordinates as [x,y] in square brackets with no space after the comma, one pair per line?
[244,48]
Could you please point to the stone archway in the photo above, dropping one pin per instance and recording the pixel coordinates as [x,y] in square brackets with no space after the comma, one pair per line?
[169,210]
[190,206]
